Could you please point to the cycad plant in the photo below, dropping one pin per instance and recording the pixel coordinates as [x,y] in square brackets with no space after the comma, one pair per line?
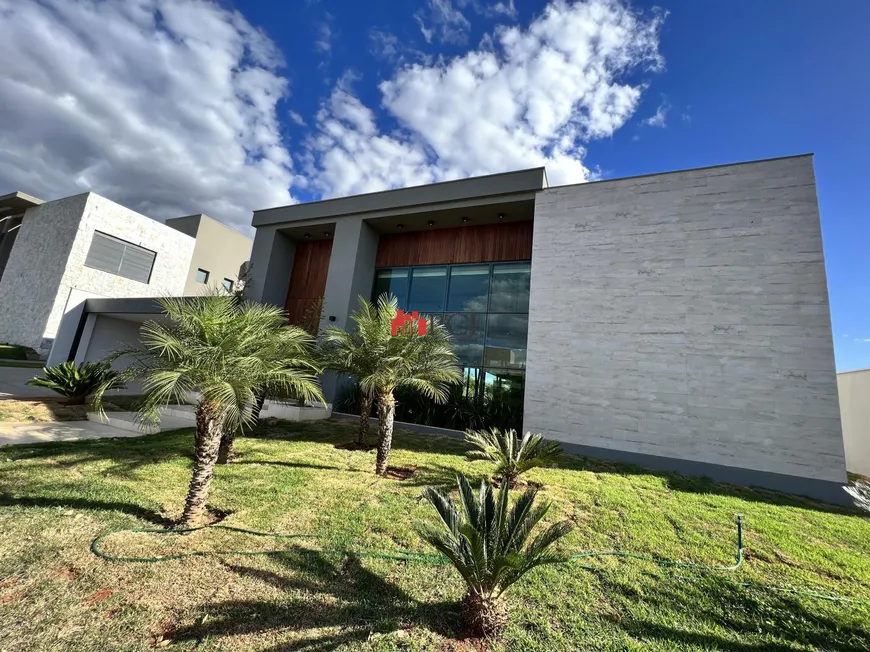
[860,492]
[384,362]
[76,383]
[224,351]
[487,544]
[511,454]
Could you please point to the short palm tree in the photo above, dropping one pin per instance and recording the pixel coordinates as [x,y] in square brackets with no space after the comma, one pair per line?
[383,362]
[860,492]
[511,454]
[224,351]
[354,353]
[76,383]
[486,543]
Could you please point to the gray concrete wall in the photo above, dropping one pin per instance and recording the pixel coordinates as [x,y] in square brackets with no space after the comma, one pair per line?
[854,390]
[271,266]
[685,316]
[219,250]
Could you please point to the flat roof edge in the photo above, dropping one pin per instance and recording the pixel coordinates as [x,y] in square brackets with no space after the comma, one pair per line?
[502,183]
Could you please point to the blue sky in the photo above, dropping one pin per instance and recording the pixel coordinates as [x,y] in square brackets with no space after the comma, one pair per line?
[188,105]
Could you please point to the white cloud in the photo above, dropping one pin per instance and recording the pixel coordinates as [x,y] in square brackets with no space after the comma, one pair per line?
[659,119]
[443,22]
[166,106]
[534,99]
[491,9]
[297,118]
[323,42]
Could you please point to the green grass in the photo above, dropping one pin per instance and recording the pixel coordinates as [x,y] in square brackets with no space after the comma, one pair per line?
[14,352]
[56,595]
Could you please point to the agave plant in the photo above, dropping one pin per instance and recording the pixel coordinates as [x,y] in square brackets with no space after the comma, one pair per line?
[511,454]
[486,543]
[76,383]
[860,492]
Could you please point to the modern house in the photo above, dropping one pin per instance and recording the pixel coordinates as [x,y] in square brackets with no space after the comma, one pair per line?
[677,321]
[56,254]
[854,390]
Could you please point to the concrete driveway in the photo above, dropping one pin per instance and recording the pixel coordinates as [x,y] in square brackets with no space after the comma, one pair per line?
[13,383]
[38,432]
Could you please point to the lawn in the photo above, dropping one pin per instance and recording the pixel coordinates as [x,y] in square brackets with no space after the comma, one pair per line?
[15,352]
[56,595]
[48,409]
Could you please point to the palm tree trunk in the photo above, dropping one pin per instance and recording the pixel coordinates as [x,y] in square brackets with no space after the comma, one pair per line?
[259,399]
[365,411]
[226,448]
[484,616]
[386,412]
[206,444]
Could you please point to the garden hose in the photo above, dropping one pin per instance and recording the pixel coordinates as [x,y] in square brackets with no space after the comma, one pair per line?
[399,554]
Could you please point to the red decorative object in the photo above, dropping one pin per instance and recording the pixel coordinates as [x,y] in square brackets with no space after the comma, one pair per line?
[404,321]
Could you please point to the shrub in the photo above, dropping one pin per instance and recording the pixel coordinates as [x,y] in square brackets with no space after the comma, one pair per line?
[486,543]
[860,492]
[77,383]
[511,454]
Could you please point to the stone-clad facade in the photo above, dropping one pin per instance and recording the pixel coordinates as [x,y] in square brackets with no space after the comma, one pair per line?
[685,315]
[46,267]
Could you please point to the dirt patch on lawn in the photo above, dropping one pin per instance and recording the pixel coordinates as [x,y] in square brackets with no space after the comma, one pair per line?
[400,472]
[47,409]
[13,410]
[356,446]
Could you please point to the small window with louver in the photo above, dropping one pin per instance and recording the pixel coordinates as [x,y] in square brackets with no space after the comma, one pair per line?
[115,256]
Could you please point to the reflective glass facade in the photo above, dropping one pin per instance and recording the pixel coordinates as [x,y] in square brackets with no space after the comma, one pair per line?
[486,309]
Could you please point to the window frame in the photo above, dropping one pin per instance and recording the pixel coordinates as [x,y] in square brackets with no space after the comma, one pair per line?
[231,284]
[204,271]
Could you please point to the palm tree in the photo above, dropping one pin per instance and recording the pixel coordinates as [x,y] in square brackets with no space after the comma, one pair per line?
[224,351]
[486,543]
[383,362]
[511,454]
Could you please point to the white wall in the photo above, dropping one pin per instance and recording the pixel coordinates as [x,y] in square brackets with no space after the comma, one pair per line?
[686,316]
[47,264]
[854,389]
[103,335]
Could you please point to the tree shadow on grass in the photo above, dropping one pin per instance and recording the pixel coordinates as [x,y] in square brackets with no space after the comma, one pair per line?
[714,612]
[130,509]
[338,592]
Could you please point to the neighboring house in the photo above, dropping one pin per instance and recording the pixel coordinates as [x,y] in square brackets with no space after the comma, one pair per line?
[218,256]
[676,321]
[64,251]
[854,389]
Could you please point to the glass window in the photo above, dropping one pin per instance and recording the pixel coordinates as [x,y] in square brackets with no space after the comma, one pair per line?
[392,281]
[427,289]
[506,337]
[202,276]
[228,285]
[468,330]
[469,287]
[509,291]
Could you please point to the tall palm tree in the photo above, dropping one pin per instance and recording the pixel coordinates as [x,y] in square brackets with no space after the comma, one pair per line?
[383,362]
[224,351]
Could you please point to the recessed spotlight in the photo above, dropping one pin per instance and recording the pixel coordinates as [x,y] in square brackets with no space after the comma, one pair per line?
[400,226]
[307,236]
[465,218]
[431,222]
[327,233]
[501,216]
